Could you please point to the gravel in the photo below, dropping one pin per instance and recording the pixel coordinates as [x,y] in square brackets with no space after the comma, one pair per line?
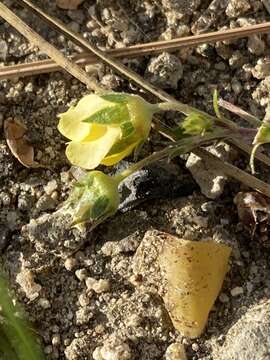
[79,289]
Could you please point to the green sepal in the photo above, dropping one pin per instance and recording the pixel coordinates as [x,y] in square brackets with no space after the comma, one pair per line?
[116,98]
[99,207]
[111,115]
[127,129]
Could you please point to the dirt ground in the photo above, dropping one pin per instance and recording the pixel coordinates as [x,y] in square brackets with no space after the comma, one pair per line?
[87,305]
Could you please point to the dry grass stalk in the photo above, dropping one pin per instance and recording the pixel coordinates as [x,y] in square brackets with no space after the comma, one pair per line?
[44,66]
[45,46]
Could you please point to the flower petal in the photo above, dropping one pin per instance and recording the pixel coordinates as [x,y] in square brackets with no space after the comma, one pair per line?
[115,158]
[71,123]
[89,155]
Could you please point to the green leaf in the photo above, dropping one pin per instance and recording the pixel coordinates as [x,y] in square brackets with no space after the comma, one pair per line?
[215,104]
[262,137]
[16,328]
[127,128]
[116,97]
[99,207]
[110,115]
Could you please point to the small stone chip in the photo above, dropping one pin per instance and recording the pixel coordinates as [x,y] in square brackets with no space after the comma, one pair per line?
[26,280]
[44,303]
[99,286]
[50,187]
[81,274]
[238,290]
[70,263]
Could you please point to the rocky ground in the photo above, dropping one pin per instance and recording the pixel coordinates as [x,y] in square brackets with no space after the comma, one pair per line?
[88,305]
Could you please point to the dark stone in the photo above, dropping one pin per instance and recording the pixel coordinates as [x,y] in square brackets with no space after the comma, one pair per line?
[157,181]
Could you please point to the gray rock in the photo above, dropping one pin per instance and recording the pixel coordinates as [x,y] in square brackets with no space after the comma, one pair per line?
[52,234]
[249,337]
[210,179]
[156,181]
[237,8]
[3,50]
[4,237]
[164,71]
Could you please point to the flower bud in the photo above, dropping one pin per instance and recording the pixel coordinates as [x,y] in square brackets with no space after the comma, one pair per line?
[196,124]
[93,198]
[105,128]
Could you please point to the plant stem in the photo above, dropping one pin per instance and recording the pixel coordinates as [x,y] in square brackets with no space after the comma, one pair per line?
[187,110]
[181,146]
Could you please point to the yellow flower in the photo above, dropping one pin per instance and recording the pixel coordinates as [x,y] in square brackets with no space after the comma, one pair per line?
[93,198]
[104,129]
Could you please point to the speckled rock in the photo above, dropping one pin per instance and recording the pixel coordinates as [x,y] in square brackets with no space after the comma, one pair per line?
[164,71]
[210,179]
[236,8]
[249,337]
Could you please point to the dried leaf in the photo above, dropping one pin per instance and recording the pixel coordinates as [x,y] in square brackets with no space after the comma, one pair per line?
[254,213]
[69,4]
[18,144]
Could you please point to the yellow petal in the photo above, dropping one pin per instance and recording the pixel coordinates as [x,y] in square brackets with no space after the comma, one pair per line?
[89,155]
[96,131]
[194,272]
[115,158]
[71,123]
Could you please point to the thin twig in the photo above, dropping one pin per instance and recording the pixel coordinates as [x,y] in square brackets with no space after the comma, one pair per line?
[39,67]
[50,50]
[251,119]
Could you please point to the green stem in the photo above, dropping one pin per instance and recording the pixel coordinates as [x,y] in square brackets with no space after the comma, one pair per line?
[187,110]
[181,146]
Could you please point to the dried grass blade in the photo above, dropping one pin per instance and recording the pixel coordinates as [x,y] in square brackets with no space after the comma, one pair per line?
[45,46]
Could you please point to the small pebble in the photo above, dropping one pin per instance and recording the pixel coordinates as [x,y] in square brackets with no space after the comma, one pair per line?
[81,274]
[175,351]
[56,340]
[238,290]
[84,299]
[50,187]
[195,347]
[224,298]
[70,263]
[44,303]
[99,286]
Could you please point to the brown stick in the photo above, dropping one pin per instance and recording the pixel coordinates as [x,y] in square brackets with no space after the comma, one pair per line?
[50,50]
[45,66]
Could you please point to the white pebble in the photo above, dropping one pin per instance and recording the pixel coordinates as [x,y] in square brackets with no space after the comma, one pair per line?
[81,274]
[50,187]
[175,351]
[44,303]
[99,286]
[56,340]
[238,290]
[70,263]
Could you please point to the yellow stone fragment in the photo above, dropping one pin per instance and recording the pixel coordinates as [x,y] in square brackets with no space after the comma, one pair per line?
[194,272]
